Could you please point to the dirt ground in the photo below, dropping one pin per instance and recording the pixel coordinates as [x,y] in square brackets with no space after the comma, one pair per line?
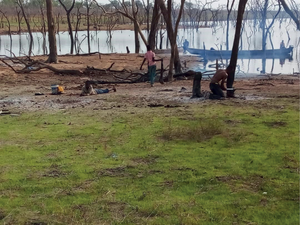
[17,91]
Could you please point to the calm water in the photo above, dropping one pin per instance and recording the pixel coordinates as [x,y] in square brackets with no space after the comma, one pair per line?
[212,37]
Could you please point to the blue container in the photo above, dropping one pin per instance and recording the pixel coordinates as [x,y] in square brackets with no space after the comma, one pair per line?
[54,89]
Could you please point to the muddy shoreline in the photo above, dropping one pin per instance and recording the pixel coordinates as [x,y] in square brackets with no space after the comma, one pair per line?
[17,91]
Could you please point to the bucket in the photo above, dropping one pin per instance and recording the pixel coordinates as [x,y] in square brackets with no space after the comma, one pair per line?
[54,89]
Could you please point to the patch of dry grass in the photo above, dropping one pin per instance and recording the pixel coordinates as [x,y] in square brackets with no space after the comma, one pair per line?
[200,131]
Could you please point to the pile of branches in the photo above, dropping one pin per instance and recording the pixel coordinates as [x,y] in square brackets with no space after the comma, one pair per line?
[21,65]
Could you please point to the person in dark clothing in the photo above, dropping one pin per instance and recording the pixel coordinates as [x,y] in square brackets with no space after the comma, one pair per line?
[215,86]
[88,89]
[185,46]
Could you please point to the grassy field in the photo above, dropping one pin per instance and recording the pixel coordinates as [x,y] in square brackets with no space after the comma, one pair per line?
[219,163]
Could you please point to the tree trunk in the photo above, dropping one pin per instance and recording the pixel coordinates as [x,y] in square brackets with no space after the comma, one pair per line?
[43,30]
[172,34]
[177,64]
[70,33]
[235,48]
[88,26]
[263,24]
[19,21]
[148,17]
[227,33]
[154,24]
[51,33]
[136,38]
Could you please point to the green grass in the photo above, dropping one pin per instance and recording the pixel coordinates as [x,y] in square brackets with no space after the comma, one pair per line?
[225,163]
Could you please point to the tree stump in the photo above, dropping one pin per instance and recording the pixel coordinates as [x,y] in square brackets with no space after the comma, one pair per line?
[197,85]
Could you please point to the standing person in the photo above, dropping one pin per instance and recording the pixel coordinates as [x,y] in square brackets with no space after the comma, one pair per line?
[282,45]
[215,87]
[150,57]
[88,89]
[185,46]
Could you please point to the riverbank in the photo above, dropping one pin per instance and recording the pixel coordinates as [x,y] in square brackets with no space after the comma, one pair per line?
[17,91]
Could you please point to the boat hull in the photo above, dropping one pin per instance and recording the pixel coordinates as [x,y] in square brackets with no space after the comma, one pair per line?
[243,54]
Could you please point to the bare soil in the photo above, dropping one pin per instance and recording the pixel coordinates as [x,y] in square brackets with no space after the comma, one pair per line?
[17,91]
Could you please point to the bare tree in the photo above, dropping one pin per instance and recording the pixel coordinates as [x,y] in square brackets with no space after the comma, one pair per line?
[68,12]
[202,7]
[111,22]
[40,23]
[191,12]
[20,4]
[9,27]
[19,18]
[51,33]
[229,10]
[265,28]
[78,21]
[123,8]
[147,9]
[290,12]
[295,8]
[88,5]
[172,34]
[154,23]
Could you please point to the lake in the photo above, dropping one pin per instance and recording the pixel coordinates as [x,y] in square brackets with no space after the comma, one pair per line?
[213,37]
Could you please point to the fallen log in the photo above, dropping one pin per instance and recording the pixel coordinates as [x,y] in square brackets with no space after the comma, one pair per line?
[186,74]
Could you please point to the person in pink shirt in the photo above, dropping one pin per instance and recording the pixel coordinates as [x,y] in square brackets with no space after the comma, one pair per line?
[150,57]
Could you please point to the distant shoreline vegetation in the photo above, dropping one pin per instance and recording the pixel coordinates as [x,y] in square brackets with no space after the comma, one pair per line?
[14,24]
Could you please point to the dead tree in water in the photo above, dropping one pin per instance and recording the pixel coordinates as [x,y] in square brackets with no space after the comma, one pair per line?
[122,8]
[68,12]
[292,15]
[111,22]
[9,27]
[234,54]
[229,10]
[19,18]
[172,34]
[78,21]
[147,10]
[88,5]
[202,7]
[20,4]
[40,24]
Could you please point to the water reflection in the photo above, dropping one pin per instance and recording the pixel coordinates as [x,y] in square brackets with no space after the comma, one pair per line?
[214,37]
